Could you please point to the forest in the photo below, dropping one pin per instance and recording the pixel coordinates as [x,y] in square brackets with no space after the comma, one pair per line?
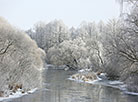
[107,47]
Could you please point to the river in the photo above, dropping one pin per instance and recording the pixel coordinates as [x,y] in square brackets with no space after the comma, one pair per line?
[57,88]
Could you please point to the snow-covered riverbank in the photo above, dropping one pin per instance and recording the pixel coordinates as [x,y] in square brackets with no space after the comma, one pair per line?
[17,94]
[101,79]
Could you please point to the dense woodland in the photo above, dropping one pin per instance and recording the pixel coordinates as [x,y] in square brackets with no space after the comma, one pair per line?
[108,47]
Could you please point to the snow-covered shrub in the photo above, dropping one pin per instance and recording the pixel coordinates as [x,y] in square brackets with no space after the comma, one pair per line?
[20,58]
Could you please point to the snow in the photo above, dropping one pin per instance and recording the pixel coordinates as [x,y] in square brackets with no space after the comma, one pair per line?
[103,74]
[102,80]
[131,93]
[83,70]
[81,81]
[99,78]
[17,94]
[116,82]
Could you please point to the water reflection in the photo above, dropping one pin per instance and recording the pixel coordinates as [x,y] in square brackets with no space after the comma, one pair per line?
[58,89]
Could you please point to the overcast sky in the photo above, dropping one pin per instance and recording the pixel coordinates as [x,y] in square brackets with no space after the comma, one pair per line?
[25,13]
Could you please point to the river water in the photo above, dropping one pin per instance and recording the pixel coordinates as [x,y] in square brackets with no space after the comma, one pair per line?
[57,88]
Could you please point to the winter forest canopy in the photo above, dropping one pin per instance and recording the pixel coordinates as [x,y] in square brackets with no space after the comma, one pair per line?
[110,47]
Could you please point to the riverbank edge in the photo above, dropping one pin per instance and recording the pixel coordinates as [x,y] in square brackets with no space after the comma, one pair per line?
[18,94]
[123,88]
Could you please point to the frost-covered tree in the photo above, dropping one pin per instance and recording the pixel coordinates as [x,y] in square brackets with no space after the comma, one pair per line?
[48,35]
[90,33]
[111,47]
[120,46]
[73,33]
[101,27]
[130,38]
[72,53]
[38,34]
[20,59]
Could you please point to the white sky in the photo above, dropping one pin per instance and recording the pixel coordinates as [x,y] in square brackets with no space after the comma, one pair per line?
[25,13]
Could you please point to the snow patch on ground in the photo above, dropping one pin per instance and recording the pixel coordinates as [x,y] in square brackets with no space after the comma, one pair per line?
[116,82]
[17,94]
[131,93]
[84,70]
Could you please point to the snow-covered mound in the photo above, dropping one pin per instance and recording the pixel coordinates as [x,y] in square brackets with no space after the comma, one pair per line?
[85,76]
[20,60]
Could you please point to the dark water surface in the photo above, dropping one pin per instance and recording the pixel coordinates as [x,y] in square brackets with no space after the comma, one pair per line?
[57,88]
